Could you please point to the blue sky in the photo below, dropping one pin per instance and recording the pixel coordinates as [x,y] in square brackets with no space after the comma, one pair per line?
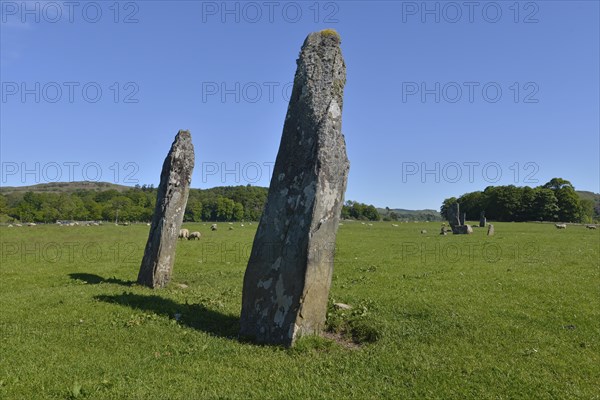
[442,98]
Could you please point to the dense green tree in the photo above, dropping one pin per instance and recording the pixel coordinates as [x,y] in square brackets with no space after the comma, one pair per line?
[587,211]
[446,207]
[360,211]
[545,205]
[556,200]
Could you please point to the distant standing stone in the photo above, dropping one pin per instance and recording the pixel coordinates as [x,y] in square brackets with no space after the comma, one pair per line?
[287,281]
[175,179]
[490,231]
[453,218]
[482,220]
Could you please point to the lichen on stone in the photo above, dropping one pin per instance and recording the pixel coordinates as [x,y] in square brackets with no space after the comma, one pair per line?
[330,32]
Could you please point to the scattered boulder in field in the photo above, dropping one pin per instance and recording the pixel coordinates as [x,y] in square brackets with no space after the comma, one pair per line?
[463,229]
[287,281]
[171,199]
[342,306]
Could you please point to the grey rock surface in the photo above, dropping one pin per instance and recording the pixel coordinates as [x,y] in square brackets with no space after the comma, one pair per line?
[453,217]
[464,229]
[287,281]
[175,179]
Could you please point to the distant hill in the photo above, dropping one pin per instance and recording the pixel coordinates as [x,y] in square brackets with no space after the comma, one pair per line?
[411,215]
[66,187]
[252,198]
[595,197]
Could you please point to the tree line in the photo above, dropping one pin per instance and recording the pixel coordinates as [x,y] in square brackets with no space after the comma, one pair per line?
[556,200]
[231,203]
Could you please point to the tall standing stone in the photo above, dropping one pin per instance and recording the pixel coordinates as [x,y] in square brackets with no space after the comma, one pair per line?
[287,281]
[175,179]
[482,220]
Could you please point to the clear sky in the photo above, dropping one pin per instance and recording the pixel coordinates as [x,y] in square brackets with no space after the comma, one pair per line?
[442,98]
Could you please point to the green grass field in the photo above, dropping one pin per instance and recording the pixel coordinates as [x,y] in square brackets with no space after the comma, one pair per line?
[516,315]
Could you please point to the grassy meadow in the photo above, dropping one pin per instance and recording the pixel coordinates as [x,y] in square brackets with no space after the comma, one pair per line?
[515,315]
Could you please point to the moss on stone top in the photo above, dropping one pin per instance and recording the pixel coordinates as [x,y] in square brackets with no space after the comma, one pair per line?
[330,32]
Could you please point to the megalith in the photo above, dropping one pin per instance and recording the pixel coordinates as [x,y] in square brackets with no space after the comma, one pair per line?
[453,217]
[456,220]
[287,280]
[482,220]
[175,179]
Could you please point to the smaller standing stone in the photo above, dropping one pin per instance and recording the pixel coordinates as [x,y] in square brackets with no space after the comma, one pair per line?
[171,199]
[490,231]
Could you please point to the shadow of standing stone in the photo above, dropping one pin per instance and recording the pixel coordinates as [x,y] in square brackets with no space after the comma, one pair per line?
[175,179]
[287,281]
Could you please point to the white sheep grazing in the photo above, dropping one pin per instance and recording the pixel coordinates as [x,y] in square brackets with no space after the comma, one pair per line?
[213,227]
[184,234]
[10,225]
[194,235]
[18,225]
[591,226]
[560,226]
